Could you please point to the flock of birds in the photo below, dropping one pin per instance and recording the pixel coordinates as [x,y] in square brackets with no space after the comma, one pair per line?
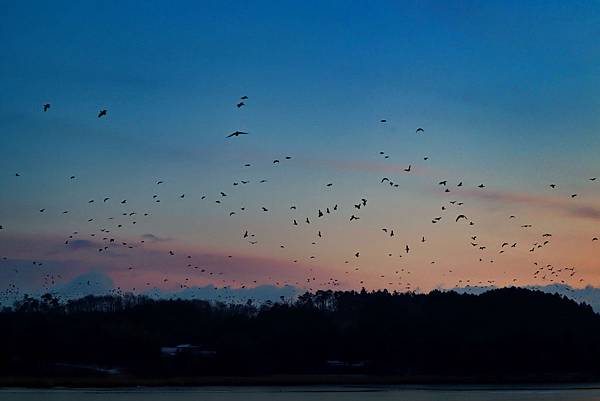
[106,235]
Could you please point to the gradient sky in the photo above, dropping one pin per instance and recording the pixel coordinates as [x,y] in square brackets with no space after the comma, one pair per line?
[508,95]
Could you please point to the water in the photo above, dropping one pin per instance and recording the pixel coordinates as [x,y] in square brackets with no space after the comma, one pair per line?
[316,393]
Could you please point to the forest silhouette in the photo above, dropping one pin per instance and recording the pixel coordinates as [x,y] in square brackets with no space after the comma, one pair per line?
[510,332]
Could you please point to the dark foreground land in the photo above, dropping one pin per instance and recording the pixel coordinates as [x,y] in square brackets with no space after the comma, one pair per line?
[507,335]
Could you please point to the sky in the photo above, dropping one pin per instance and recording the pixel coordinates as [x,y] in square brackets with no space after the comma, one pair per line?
[506,93]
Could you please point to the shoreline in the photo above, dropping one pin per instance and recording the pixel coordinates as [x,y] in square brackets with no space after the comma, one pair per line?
[581,381]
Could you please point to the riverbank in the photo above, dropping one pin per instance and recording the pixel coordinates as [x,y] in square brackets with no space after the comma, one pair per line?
[292,380]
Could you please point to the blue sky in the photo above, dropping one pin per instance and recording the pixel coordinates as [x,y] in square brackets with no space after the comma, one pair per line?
[486,75]
[507,93]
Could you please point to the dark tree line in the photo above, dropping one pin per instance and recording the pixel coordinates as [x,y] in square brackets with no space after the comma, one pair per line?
[509,331]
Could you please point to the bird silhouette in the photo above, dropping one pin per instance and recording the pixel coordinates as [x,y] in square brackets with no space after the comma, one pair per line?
[236,133]
[102,113]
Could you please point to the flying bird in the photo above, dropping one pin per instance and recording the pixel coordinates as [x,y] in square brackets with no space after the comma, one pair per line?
[46,107]
[102,113]
[236,133]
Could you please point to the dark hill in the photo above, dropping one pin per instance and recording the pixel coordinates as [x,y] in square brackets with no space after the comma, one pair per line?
[508,332]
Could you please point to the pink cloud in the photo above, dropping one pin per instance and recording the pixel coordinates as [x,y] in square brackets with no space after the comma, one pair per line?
[569,207]
[149,262]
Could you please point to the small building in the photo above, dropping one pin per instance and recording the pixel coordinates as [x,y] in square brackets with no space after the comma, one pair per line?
[343,366]
[189,350]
